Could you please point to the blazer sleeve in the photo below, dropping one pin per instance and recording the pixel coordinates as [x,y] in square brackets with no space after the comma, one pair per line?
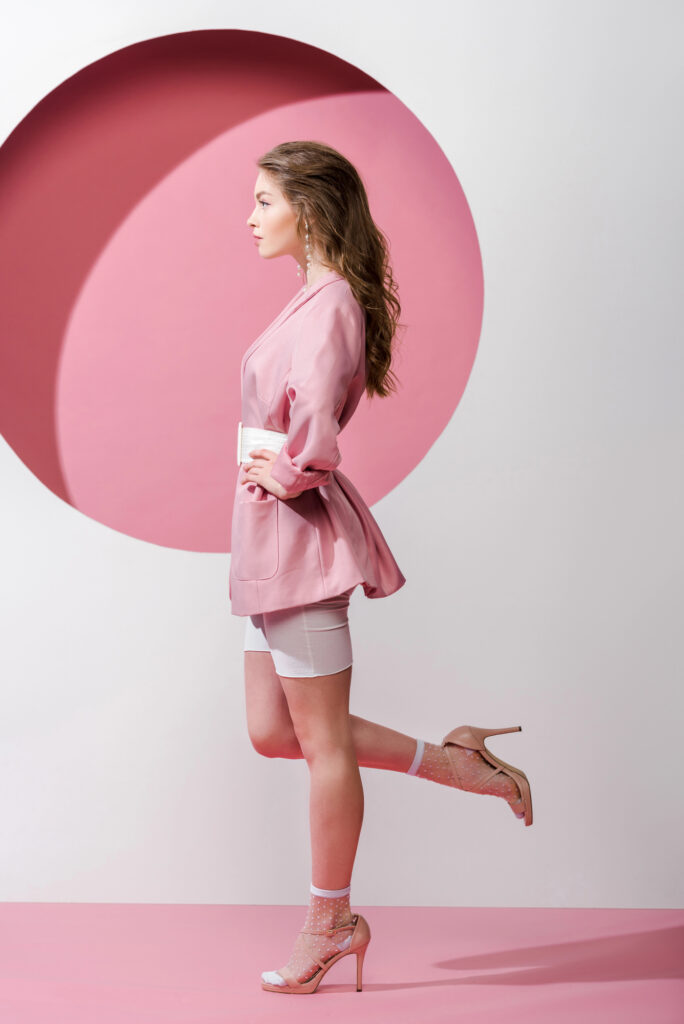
[326,357]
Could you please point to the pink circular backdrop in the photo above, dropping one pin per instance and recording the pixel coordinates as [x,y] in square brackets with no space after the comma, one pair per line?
[133,286]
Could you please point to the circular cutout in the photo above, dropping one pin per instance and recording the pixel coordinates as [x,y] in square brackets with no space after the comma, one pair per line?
[133,286]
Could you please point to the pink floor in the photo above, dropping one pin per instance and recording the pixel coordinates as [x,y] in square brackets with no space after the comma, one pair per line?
[166,964]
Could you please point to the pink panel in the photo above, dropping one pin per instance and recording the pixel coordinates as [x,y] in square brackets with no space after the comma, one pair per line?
[116,964]
[134,286]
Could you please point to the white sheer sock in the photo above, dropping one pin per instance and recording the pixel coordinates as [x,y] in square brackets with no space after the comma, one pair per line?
[417,758]
[431,761]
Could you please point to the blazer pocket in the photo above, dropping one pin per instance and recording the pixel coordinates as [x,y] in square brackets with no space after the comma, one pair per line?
[255,545]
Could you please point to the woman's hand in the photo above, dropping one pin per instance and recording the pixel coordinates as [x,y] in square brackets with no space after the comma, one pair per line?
[259,472]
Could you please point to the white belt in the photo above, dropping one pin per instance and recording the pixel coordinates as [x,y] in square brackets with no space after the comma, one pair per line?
[249,438]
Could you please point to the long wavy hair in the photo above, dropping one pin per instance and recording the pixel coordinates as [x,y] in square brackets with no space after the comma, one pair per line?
[326,190]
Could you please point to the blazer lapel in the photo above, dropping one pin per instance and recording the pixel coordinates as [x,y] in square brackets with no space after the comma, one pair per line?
[297,300]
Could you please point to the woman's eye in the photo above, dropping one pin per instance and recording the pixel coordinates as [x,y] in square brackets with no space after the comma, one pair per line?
[263,202]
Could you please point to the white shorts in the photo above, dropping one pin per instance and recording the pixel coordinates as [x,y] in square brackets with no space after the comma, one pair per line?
[309,640]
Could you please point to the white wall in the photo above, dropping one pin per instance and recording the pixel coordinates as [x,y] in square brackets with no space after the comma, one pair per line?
[554,500]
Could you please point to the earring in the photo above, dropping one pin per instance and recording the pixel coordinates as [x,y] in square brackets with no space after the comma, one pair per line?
[309,258]
[307,247]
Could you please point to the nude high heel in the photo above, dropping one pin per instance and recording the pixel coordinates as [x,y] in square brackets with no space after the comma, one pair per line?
[473,738]
[359,944]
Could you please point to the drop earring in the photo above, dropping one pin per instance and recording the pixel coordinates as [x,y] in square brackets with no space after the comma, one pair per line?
[307,247]
[309,259]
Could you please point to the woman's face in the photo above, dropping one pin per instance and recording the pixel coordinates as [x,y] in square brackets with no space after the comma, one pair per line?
[273,221]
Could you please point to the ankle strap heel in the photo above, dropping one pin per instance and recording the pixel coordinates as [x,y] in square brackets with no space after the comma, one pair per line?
[472,737]
[359,944]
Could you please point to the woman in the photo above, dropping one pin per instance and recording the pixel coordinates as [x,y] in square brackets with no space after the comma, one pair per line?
[303,538]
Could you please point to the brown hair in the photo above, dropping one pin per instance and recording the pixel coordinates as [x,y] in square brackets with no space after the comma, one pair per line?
[326,190]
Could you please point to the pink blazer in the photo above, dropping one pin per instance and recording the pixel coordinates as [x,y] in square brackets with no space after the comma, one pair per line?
[305,376]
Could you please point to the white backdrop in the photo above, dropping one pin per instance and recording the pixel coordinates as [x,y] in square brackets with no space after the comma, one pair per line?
[541,535]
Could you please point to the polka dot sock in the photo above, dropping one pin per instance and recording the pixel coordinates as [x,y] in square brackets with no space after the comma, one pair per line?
[432,762]
[328,908]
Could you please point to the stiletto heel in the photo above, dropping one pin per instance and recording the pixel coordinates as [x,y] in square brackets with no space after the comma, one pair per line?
[359,944]
[360,954]
[473,738]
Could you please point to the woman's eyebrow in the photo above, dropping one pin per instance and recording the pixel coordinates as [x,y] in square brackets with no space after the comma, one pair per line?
[262,193]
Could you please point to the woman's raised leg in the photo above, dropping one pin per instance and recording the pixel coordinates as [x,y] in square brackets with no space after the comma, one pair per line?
[268,717]
[273,734]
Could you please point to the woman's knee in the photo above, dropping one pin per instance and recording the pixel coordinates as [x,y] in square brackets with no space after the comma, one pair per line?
[275,741]
[329,749]
[320,739]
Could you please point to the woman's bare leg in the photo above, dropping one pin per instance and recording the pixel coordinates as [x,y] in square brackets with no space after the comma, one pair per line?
[272,732]
[377,746]
[319,708]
